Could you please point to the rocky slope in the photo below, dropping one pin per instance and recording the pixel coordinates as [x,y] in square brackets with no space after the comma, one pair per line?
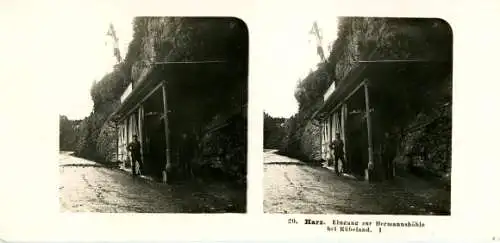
[424,124]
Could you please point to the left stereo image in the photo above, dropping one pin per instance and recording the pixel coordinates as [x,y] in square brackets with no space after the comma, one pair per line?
[160,125]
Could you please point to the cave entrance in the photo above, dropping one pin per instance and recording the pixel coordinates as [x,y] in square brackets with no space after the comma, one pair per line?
[154,141]
[356,141]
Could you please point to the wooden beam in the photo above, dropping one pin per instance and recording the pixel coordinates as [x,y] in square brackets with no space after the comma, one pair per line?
[362,84]
[187,62]
[142,100]
[369,130]
[356,73]
[167,132]
[394,61]
[340,104]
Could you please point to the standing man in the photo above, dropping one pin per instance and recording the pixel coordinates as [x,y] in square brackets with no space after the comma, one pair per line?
[337,146]
[135,151]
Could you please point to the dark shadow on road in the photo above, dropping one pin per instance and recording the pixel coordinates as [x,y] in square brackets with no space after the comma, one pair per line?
[197,196]
[396,197]
[287,163]
[111,166]
[81,165]
[318,167]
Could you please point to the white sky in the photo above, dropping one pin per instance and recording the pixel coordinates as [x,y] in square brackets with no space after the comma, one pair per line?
[92,58]
[73,35]
[289,52]
[68,40]
[293,52]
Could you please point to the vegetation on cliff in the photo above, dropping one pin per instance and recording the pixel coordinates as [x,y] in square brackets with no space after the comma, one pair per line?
[68,133]
[274,131]
[174,39]
[206,95]
[423,108]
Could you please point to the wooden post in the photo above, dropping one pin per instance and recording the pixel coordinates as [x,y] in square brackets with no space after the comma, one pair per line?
[325,137]
[127,159]
[131,133]
[343,119]
[140,121]
[167,132]
[123,141]
[321,139]
[329,129]
[117,131]
[369,128]
[330,137]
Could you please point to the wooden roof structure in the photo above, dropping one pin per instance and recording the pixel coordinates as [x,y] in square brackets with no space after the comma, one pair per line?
[177,75]
[355,78]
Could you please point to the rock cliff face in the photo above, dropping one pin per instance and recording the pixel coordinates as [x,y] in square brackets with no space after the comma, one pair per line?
[350,35]
[410,39]
[218,97]
[386,39]
[310,143]
[212,102]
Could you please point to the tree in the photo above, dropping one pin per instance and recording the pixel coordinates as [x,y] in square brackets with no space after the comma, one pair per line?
[67,133]
[274,131]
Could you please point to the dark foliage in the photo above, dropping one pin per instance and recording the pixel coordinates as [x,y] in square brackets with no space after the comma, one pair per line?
[309,91]
[274,131]
[68,133]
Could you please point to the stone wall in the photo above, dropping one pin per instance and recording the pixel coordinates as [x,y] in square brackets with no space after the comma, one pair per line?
[311,141]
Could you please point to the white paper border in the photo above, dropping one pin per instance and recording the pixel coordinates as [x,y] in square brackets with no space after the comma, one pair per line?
[29,206]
